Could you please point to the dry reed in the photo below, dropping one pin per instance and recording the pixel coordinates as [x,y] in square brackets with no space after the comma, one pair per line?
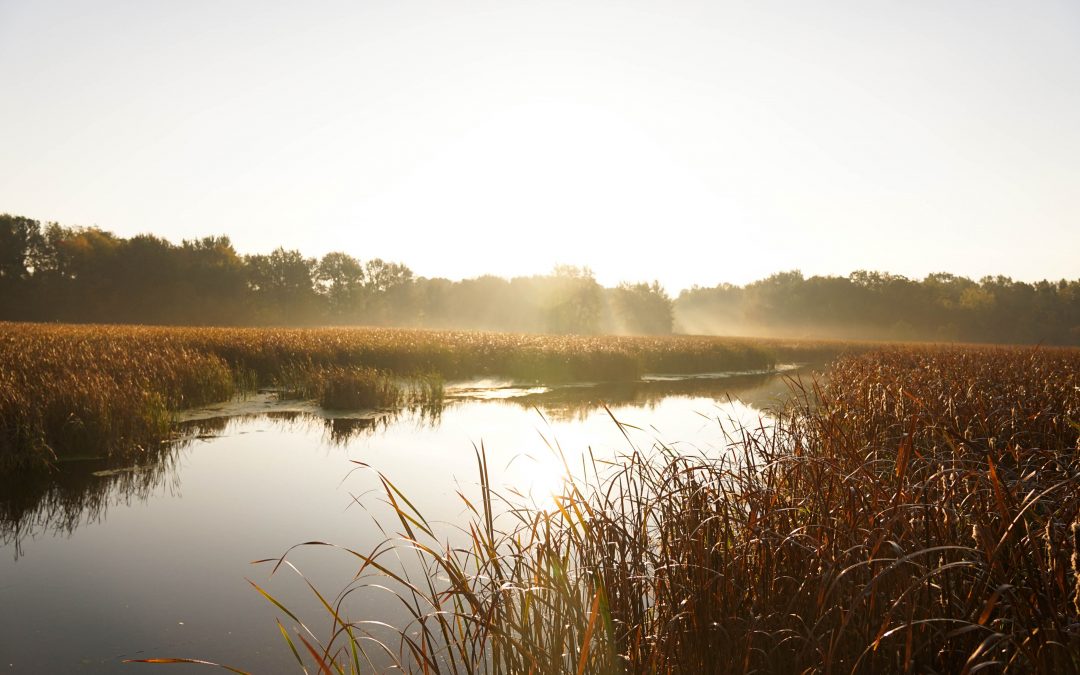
[914,514]
[85,390]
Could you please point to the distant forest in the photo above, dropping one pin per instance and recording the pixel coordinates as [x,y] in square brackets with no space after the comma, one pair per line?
[49,272]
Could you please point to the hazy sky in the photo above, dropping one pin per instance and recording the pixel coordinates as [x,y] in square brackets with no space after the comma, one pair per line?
[694,142]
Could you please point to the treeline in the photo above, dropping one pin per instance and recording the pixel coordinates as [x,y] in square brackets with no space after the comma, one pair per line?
[54,273]
[873,305]
[75,274]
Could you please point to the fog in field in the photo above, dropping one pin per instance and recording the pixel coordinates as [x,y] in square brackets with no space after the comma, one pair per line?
[55,273]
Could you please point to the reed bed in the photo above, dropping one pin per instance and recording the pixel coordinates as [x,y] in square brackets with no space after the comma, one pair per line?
[463,354]
[916,513]
[93,393]
[99,391]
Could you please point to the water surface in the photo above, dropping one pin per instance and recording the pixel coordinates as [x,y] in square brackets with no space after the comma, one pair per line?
[102,562]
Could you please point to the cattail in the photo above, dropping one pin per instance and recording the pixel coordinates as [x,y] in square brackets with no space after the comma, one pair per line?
[981,538]
[1048,542]
[1076,561]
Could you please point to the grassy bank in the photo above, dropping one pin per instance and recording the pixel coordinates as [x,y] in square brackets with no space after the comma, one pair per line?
[85,390]
[921,516]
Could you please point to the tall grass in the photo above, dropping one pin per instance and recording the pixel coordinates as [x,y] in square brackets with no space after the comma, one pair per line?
[916,513]
[96,392]
[105,390]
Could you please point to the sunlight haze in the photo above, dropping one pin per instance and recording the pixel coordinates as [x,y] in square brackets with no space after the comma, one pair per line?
[690,142]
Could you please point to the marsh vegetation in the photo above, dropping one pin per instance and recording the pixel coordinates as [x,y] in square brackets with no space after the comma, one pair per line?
[250,477]
[919,515]
[911,508]
[98,391]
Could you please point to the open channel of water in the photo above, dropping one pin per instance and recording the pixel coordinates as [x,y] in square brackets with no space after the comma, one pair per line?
[102,562]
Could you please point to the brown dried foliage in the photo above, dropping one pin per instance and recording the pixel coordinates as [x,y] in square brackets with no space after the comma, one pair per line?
[911,515]
[101,390]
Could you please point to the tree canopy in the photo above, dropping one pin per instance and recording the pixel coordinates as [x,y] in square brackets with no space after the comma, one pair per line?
[54,273]
[49,272]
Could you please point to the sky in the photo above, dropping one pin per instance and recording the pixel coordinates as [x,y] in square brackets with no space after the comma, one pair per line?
[690,142]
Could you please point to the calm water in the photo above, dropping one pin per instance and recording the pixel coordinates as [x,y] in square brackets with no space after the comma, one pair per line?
[101,563]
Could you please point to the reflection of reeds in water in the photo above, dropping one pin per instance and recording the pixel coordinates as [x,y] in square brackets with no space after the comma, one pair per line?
[764,392]
[60,500]
[338,431]
[913,518]
[344,429]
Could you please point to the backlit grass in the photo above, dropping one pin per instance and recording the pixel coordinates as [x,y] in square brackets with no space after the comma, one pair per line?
[917,513]
[84,390]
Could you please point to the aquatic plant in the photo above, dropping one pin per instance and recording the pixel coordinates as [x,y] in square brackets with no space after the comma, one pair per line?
[913,513]
[99,391]
[355,389]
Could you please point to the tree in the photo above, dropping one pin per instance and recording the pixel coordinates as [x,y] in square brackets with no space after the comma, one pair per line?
[642,308]
[78,270]
[216,281]
[381,276]
[20,247]
[575,301]
[387,293]
[283,286]
[148,280]
[340,279]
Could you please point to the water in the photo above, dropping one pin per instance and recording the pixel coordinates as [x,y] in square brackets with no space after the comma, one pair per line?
[101,563]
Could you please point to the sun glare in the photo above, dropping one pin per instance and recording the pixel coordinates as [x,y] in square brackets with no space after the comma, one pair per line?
[539,178]
[539,473]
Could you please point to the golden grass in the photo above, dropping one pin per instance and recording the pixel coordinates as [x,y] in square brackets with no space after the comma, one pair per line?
[917,513]
[90,390]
